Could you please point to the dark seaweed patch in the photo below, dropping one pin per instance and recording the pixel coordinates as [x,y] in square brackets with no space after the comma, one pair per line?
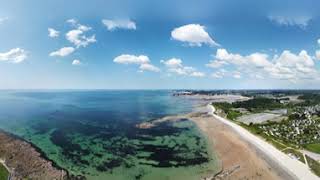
[122,142]
[168,157]
[109,165]
[70,150]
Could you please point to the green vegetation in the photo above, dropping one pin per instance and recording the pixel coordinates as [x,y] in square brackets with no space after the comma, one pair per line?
[252,128]
[224,106]
[310,99]
[228,110]
[255,129]
[233,115]
[276,144]
[259,104]
[313,147]
[314,165]
[3,173]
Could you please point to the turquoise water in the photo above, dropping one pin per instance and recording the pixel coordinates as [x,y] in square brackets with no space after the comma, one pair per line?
[94,133]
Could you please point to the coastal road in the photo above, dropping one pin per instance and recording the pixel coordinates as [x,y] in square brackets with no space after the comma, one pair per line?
[293,167]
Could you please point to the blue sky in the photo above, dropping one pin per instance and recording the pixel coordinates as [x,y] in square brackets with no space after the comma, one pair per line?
[164,44]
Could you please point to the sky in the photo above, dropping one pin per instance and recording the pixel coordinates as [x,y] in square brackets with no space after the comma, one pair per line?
[143,44]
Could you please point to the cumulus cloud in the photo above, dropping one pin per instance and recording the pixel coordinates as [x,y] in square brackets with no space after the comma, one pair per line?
[287,66]
[193,35]
[77,36]
[174,65]
[76,62]
[149,67]
[15,55]
[65,51]
[300,21]
[53,33]
[142,60]
[131,59]
[119,24]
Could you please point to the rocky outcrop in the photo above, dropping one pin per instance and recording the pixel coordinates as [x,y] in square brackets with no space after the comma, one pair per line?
[25,161]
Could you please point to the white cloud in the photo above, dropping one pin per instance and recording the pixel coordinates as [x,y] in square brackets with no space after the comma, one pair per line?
[72,21]
[76,62]
[131,59]
[218,75]
[175,66]
[15,55]
[197,74]
[119,24]
[300,21]
[216,63]
[53,33]
[142,60]
[65,51]
[318,41]
[193,34]
[149,67]
[287,66]
[172,63]
[78,38]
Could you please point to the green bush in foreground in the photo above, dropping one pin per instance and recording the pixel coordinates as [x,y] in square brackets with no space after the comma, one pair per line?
[3,173]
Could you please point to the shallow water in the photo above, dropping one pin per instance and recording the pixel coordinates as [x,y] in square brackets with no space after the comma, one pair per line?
[94,133]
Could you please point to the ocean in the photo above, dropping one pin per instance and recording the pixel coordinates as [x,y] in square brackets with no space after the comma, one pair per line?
[95,134]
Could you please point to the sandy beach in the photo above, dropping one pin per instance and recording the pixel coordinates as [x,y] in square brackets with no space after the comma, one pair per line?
[239,160]
[263,161]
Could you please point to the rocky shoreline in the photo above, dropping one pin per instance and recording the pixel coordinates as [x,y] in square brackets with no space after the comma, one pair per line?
[26,161]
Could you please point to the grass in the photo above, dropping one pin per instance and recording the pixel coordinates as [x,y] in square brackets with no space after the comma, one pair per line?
[314,165]
[276,144]
[313,147]
[233,115]
[3,173]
